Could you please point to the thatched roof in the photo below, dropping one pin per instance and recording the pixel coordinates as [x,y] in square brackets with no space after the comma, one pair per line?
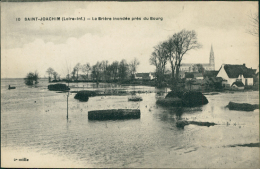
[212,73]
[217,79]
[233,71]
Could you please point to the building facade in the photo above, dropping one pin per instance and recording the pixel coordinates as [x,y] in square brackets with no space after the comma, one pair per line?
[233,73]
[191,67]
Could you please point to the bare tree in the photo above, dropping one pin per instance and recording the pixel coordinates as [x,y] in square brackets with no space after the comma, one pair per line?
[97,71]
[183,42]
[50,72]
[159,60]
[133,66]
[254,24]
[114,69]
[86,68]
[169,50]
[123,70]
[55,75]
[76,69]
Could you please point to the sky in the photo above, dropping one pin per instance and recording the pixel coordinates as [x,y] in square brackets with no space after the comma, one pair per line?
[28,46]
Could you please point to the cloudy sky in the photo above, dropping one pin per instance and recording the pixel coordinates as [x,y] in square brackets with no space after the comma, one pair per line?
[37,45]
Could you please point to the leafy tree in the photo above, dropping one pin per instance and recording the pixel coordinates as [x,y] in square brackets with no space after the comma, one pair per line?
[200,68]
[31,78]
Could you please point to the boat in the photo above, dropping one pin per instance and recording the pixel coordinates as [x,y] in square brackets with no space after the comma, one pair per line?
[9,88]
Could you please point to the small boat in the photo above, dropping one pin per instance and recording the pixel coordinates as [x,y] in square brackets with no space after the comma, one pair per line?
[11,87]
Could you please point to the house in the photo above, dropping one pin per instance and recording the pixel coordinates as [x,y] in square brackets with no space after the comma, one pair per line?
[189,75]
[210,74]
[238,85]
[145,76]
[219,82]
[193,75]
[233,73]
[196,84]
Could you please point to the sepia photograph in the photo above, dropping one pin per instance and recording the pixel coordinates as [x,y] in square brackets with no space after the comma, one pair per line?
[122,84]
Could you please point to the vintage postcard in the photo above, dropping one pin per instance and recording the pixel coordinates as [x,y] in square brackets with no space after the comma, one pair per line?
[129,84]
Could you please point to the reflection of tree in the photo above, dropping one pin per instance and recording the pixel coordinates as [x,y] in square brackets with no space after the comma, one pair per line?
[179,111]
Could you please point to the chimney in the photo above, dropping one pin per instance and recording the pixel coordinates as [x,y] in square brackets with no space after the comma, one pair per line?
[244,64]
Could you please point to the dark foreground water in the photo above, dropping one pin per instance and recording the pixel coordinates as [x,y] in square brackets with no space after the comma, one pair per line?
[34,126]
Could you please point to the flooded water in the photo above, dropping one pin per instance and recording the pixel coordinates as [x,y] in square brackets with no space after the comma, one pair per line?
[34,126]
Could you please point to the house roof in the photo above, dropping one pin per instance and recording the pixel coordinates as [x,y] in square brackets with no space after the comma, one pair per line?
[217,79]
[212,73]
[189,75]
[193,74]
[233,71]
[238,84]
[143,75]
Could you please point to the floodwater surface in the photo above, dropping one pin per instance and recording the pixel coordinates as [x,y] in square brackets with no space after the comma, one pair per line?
[34,126]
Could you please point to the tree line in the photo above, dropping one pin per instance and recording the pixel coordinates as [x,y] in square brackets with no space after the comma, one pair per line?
[172,51]
[101,71]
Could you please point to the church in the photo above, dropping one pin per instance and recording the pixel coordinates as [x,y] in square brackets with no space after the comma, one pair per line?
[191,67]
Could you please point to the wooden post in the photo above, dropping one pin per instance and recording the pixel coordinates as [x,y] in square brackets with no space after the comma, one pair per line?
[68,106]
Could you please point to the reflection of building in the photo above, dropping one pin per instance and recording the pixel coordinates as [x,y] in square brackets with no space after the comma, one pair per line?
[191,67]
[233,73]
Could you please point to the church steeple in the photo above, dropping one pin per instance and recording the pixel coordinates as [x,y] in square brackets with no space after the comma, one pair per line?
[211,59]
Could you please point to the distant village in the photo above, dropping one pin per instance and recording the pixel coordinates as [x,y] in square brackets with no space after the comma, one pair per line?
[193,76]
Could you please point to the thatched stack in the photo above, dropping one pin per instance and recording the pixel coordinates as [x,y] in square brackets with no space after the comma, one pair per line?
[242,106]
[84,95]
[58,87]
[114,114]
[183,99]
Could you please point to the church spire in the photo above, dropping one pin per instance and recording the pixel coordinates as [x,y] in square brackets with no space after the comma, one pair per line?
[211,59]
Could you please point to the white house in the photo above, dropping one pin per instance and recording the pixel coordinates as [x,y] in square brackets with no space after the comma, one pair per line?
[144,76]
[233,73]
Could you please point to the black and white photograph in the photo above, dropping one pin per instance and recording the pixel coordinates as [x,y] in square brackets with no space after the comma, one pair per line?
[118,84]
